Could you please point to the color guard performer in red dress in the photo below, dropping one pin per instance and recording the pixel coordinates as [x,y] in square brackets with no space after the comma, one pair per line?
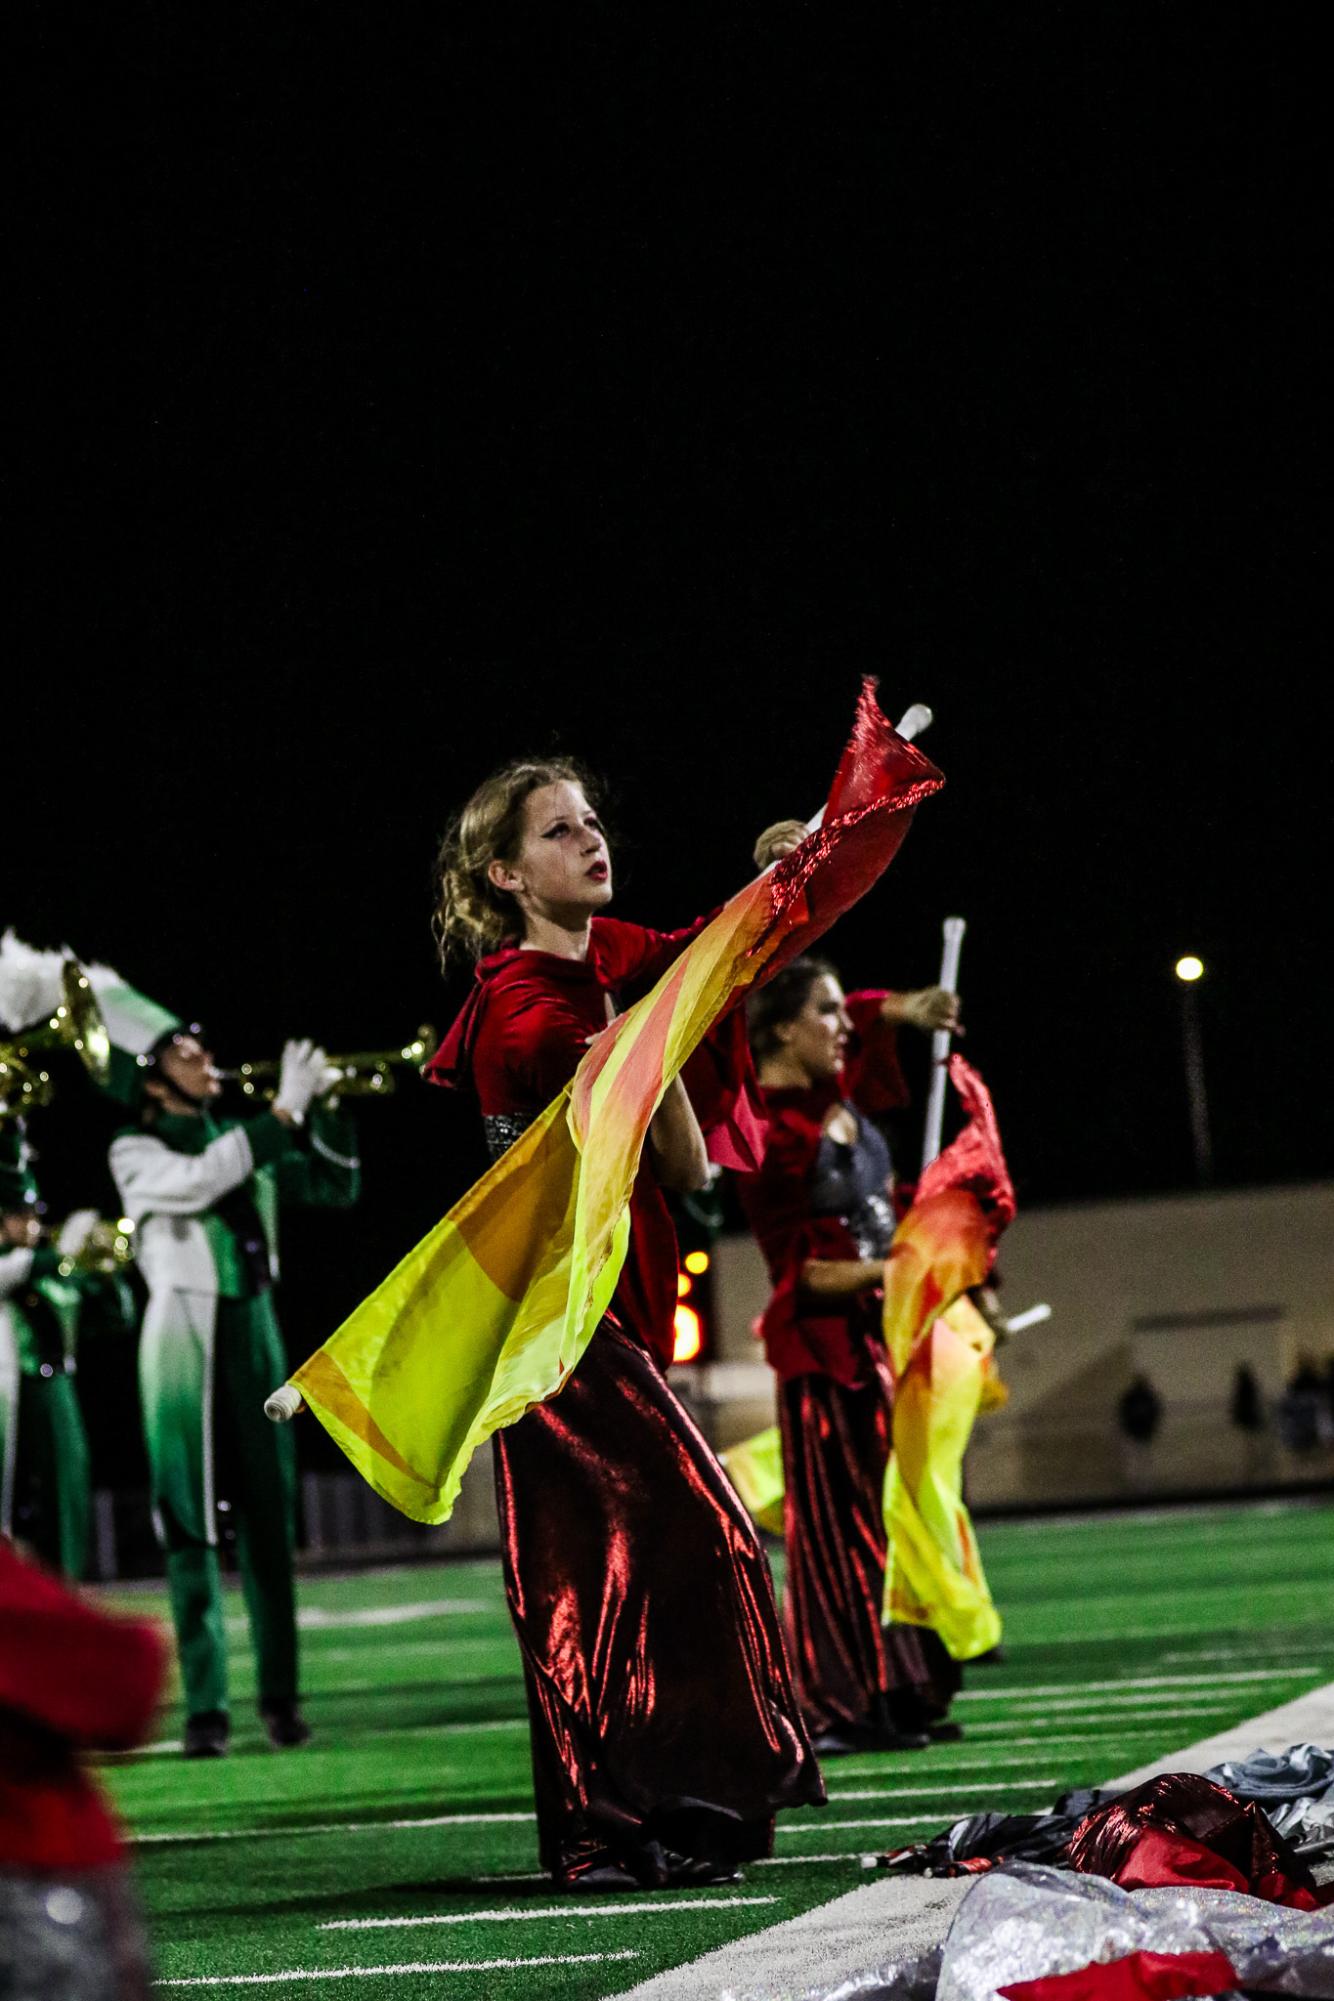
[665,1728]
[821,1209]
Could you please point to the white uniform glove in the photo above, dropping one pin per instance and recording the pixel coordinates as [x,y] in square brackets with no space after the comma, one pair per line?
[75,1231]
[305,1075]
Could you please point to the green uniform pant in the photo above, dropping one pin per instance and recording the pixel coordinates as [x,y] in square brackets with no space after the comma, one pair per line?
[256,1476]
[51,1473]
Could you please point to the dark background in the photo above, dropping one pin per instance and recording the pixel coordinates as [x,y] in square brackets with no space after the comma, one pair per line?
[403,390]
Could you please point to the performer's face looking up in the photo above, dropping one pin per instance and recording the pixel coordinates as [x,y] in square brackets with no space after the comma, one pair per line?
[816,1039]
[185,1066]
[561,869]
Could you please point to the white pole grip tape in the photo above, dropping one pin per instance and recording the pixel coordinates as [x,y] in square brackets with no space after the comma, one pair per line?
[940,1043]
[1032,1318]
[283,1405]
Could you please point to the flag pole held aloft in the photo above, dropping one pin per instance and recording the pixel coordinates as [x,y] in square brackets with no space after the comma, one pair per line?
[940,1043]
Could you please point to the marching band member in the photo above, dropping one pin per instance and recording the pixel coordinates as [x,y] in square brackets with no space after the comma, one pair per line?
[821,1209]
[665,1731]
[47,1301]
[46,1306]
[203,1193]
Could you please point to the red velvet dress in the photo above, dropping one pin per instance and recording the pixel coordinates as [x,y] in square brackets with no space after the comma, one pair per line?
[811,1200]
[664,1722]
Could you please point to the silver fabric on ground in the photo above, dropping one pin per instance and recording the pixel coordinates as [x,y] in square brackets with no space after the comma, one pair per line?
[1300,1772]
[1296,1789]
[1025,1921]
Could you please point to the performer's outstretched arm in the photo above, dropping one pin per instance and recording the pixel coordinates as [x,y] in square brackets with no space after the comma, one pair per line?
[678,1144]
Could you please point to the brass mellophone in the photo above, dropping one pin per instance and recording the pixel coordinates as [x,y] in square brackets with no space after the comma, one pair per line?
[366,1073]
[76,1024]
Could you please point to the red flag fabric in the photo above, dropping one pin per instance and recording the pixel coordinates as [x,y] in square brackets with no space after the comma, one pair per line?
[1182,1828]
[1142,1976]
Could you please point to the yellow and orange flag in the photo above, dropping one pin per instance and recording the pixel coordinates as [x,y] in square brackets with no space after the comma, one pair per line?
[940,1352]
[493,1309]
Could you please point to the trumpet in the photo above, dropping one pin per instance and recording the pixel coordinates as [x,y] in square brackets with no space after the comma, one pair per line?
[366,1073]
[76,1024]
[106,1250]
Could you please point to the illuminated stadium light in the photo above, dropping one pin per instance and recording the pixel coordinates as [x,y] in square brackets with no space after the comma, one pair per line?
[689,1335]
[1189,969]
[697,1262]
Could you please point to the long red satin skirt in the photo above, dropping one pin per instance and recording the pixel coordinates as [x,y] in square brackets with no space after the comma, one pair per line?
[853,1673]
[661,1705]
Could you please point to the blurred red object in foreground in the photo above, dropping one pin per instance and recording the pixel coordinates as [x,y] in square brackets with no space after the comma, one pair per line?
[72,1679]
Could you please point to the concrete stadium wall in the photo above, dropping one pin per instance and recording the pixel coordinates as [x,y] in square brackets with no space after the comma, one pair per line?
[1182,1288]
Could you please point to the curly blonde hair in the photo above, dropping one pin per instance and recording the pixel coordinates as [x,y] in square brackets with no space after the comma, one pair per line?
[472,917]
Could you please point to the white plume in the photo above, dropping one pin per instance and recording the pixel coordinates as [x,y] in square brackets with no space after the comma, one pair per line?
[30,983]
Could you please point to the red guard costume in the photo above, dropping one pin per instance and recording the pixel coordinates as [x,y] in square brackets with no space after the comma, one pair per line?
[814,1199]
[665,1728]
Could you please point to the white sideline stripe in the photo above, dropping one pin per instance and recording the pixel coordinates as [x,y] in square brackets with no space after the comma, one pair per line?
[517,1915]
[1181,1681]
[378,1972]
[928,1788]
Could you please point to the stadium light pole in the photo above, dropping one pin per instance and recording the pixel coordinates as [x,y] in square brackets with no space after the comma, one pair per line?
[1189,972]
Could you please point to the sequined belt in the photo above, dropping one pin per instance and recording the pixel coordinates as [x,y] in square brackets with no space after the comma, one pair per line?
[503,1128]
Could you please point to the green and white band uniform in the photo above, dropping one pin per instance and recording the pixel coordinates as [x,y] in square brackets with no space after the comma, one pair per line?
[210,1352]
[44,1467]
[204,1194]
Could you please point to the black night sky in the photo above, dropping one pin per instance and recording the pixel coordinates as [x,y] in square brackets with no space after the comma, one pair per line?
[404,389]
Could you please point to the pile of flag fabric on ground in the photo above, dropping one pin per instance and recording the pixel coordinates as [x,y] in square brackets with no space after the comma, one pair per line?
[1183,1886]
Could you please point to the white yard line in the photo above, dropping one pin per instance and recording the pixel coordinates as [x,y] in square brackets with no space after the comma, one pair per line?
[1117,1714]
[381,1972]
[314,1618]
[516,1914]
[289,1833]
[930,1787]
[1181,1681]
[1308,1720]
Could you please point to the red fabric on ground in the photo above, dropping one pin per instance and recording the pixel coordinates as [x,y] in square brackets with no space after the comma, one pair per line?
[1143,1976]
[1181,1828]
[71,1678]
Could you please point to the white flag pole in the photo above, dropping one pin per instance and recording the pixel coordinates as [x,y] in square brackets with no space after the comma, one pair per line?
[1032,1317]
[940,1043]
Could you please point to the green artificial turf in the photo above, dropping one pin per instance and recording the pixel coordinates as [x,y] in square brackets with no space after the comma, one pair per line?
[1198,1619]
